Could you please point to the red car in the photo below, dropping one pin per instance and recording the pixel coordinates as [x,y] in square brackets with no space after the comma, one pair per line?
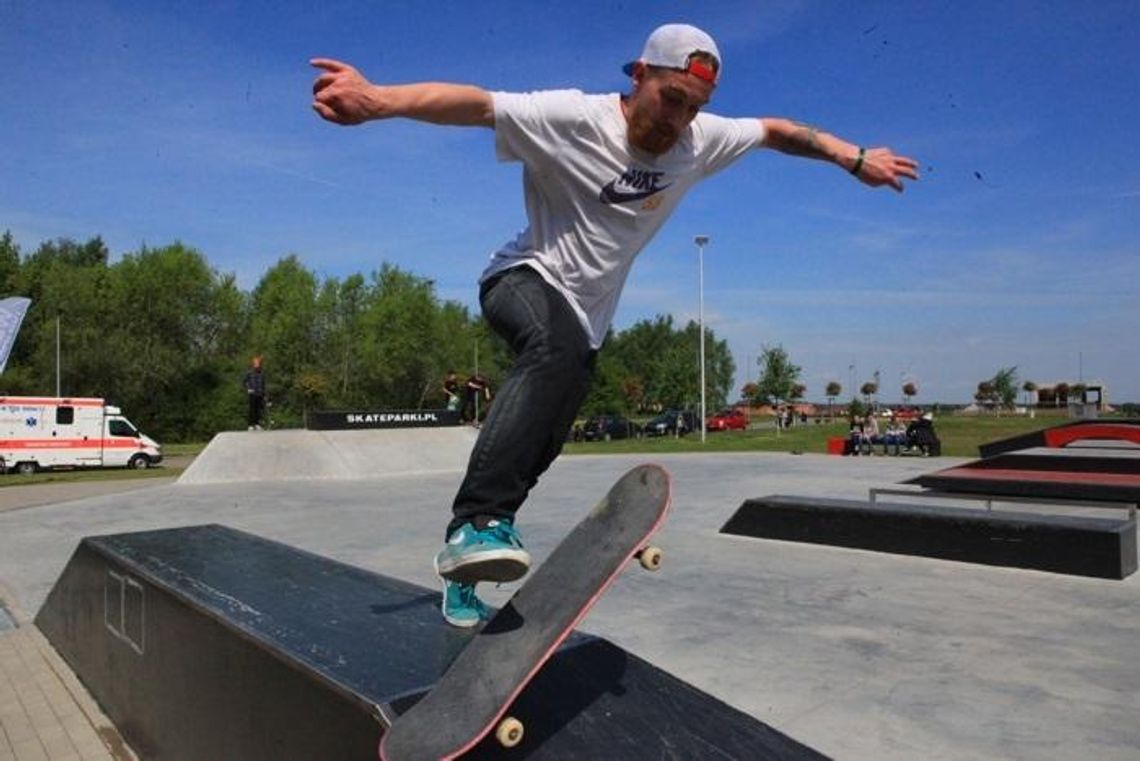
[727,420]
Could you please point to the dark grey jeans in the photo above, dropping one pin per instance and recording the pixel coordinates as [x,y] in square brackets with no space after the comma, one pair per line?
[535,407]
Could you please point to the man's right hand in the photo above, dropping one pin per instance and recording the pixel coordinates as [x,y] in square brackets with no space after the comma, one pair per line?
[342,95]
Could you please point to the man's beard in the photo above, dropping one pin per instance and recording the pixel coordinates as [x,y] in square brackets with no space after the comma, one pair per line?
[651,137]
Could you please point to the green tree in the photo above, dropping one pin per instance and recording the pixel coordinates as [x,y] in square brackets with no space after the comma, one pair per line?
[641,348]
[720,368]
[653,365]
[283,328]
[169,322]
[340,335]
[66,252]
[168,338]
[9,264]
[606,393]
[460,336]
[1030,388]
[400,325]
[222,340]
[67,283]
[1061,394]
[643,356]
[833,390]
[984,395]
[1004,387]
[778,376]
[868,389]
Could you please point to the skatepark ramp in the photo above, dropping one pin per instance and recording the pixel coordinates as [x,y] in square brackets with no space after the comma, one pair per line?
[1120,432]
[209,643]
[292,455]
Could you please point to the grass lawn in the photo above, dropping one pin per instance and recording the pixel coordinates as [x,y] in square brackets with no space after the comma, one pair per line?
[168,469]
[961,436]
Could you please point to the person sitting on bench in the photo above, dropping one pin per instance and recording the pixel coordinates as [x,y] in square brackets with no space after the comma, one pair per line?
[920,435]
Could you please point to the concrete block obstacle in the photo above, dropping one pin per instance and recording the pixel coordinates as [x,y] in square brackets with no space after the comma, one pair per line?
[1065,544]
[209,643]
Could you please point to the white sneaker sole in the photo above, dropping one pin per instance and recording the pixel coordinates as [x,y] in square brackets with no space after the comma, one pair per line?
[497,566]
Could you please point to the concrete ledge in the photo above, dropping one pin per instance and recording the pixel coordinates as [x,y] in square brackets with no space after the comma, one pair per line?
[1098,547]
[205,642]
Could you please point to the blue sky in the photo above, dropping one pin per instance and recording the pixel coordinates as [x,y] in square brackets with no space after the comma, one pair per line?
[154,122]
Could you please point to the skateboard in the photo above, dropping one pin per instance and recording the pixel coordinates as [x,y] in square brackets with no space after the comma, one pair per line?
[473,696]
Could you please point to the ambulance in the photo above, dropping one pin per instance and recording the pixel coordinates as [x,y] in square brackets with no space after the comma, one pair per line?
[39,433]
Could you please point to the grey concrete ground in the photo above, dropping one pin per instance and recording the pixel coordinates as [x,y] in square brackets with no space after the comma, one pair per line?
[857,654]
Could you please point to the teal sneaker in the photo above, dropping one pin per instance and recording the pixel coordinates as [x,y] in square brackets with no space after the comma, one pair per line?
[461,606]
[492,554]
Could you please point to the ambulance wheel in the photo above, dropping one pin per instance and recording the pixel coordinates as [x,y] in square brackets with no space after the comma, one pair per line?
[139,462]
[26,468]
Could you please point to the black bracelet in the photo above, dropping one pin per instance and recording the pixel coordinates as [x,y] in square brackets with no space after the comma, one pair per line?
[858,162]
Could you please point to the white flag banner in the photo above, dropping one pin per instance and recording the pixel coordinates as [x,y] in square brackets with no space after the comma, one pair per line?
[12,311]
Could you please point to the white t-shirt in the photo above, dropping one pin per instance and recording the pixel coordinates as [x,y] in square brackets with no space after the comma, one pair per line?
[593,201]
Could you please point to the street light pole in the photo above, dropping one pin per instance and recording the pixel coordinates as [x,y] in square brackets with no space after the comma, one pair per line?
[701,241]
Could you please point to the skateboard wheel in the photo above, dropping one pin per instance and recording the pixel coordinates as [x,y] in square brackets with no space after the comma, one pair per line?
[509,732]
[650,558]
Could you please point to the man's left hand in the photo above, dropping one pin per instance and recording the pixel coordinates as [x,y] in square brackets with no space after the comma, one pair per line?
[882,166]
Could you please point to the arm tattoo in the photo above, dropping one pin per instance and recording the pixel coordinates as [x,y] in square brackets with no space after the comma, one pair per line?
[804,142]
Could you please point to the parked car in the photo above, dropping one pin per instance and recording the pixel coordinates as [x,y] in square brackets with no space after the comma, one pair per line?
[607,427]
[666,424]
[906,414]
[727,420]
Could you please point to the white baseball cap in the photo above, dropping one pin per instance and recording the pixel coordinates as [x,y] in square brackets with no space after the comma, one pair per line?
[672,46]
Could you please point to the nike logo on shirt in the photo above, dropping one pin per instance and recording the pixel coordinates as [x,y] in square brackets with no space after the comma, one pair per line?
[633,185]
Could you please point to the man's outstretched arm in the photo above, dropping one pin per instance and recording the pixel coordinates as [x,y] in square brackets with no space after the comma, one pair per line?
[342,95]
[873,166]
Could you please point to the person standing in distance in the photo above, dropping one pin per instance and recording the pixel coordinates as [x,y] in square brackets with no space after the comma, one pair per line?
[601,174]
[451,391]
[254,384]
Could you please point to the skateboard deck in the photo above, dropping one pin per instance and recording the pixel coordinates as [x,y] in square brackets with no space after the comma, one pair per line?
[474,694]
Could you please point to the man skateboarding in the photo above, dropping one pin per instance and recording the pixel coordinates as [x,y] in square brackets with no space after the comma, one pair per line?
[601,174]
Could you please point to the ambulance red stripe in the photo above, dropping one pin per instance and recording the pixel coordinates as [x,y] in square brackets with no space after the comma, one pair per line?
[124,443]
